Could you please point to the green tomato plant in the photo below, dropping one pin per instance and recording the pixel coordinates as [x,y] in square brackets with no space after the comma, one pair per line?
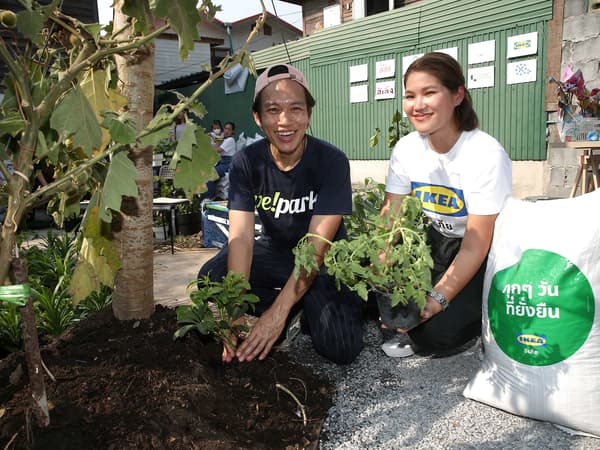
[392,257]
[367,201]
[396,130]
[216,308]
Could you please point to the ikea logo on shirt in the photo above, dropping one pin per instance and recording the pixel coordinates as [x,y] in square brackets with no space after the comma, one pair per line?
[440,199]
[279,205]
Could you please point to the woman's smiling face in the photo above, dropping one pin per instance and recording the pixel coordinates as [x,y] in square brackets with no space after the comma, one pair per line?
[284,116]
[430,105]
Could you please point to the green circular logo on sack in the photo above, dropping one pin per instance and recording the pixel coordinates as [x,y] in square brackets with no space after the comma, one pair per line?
[541,309]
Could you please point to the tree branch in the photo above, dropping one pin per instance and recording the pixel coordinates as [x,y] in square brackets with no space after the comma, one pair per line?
[63,85]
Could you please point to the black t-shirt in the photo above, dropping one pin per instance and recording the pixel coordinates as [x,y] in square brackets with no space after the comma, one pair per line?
[286,201]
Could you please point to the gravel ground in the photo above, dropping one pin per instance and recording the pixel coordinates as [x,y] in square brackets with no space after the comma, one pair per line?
[417,403]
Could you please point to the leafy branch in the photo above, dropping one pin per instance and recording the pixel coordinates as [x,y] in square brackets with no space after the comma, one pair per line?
[393,257]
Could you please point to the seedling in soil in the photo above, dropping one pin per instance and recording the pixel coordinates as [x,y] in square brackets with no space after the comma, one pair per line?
[217,307]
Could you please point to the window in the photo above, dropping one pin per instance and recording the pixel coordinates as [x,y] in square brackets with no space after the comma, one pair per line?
[267,30]
[377,6]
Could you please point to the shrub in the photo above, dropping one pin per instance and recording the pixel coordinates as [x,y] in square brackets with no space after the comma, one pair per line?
[50,267]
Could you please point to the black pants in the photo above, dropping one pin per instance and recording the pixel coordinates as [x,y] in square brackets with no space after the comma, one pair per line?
[334,318]
[461,321]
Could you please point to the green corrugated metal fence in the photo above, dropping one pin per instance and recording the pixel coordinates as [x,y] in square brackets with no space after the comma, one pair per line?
[514,114]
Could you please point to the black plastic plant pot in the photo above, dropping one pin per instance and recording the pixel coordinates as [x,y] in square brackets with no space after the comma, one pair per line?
[404,316]
[188,224]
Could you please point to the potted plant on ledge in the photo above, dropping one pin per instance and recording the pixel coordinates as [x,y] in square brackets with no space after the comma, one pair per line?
[389,257]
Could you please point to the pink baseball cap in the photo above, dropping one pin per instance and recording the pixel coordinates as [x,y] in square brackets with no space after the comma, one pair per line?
[280,72]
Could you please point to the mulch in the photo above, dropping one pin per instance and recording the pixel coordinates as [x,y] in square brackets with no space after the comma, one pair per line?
[129,385]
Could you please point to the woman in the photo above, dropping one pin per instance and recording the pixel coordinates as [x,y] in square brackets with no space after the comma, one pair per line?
[462,177]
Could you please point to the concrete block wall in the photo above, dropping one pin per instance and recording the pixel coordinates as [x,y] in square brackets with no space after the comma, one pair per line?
[580,50]
[530,178]
[581,41]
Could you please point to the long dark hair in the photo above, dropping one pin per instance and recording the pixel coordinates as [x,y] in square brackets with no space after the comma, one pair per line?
[446,69]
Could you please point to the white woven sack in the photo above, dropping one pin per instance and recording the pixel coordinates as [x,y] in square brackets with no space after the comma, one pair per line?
[541,302]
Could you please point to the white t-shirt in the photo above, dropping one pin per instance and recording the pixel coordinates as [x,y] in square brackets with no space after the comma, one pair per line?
[228,146]
[473,177]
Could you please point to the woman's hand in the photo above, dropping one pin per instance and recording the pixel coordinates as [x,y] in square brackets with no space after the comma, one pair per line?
[430,309]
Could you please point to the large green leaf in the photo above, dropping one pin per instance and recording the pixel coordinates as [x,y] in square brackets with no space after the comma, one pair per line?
[192,175]
[209,9]
[12,124]
[138,10]
[102,98]
[73,116]
[30,24]
[186,142]
[120,181]
[94,29]
[98,261]
[121,128]
[84,281]
[161,122]
[184,19]
[197,109]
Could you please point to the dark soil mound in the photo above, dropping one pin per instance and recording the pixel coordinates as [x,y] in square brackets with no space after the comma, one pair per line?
[128,385]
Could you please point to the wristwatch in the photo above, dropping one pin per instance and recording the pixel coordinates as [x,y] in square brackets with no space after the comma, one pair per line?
[439,298]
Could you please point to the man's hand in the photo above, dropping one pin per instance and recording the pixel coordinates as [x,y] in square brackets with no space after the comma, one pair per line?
[229,348]
[264,334]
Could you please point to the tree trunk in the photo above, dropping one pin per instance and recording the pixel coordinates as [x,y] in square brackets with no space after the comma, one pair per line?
[31,347]
[133,296]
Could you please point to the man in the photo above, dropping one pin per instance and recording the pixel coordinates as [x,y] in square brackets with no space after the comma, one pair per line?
[298,184]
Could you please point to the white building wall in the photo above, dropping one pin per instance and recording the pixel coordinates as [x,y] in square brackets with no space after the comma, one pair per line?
[529,177]
[279,34]
[168,66]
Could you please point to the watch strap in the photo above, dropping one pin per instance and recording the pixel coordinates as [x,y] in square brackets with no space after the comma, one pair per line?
[439,298]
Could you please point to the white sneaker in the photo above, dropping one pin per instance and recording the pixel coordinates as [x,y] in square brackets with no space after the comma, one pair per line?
[397,347]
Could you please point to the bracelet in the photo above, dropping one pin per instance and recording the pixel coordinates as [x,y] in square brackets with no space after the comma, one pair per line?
[438,298]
